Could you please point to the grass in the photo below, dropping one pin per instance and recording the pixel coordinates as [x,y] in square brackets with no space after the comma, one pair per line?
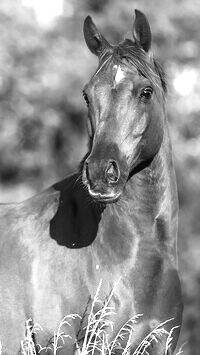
[59,336]
[28,345]
[96,339]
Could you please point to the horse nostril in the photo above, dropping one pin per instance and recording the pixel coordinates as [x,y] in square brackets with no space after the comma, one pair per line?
[87,171]
[88,174]
[112,172]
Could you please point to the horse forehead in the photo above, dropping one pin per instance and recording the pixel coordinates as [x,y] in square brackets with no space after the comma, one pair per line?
[122,74]
[111,75]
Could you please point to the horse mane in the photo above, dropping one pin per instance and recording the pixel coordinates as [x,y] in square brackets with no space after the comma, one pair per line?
[128,52]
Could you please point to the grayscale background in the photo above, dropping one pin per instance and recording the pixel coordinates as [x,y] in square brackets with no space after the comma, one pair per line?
[44,64]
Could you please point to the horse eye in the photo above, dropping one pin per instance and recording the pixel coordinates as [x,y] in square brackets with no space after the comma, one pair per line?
[86,98]
[147,92]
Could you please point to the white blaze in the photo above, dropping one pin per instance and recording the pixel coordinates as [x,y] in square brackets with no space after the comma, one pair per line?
[119,74]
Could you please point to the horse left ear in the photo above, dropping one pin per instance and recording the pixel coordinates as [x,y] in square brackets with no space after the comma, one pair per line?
[142,31]
[96,43]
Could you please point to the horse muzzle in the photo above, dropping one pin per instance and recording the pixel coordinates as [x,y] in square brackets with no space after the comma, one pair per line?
[104,179]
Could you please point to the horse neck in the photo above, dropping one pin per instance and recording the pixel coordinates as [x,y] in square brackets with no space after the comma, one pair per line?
[150,197]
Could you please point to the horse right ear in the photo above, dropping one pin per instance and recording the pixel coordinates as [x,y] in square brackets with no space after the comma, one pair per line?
[96,43]
[142,31]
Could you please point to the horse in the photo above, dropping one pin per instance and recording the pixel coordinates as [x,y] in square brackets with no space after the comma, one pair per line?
[112,222]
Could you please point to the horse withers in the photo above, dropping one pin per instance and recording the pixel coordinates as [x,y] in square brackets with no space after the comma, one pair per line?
[115,220]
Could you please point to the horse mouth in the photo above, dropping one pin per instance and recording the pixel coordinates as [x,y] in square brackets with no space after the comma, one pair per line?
[104,198]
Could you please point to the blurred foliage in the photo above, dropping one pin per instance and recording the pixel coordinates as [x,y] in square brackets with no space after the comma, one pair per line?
[42,114]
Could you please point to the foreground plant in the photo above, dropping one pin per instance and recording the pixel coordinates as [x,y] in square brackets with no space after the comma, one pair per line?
[28,344]
[59,335]
[99,328]
[98,332]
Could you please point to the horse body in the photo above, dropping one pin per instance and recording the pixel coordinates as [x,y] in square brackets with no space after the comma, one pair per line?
[57,246]
[46,281]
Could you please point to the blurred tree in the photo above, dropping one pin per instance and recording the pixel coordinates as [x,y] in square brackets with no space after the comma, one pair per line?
[96,5]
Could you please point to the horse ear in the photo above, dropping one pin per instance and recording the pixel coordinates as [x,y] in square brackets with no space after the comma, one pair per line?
[96,43]
[142,31]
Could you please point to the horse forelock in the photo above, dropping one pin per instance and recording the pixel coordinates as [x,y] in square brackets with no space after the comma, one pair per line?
[130,54]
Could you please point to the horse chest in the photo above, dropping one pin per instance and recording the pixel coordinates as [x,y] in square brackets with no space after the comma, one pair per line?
[127,250]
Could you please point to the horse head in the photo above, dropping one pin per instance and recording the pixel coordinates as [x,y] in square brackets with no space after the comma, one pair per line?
[125,109]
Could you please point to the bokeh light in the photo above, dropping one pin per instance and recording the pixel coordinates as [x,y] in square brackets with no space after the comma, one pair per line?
[46,10]
[185,81]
